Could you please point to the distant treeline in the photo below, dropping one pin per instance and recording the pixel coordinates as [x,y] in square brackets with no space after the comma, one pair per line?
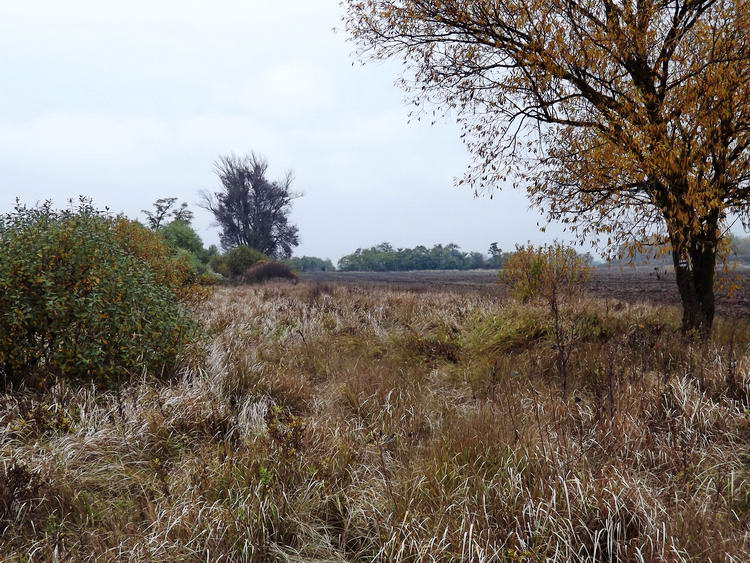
[741,249]
[386,258]
[310,264]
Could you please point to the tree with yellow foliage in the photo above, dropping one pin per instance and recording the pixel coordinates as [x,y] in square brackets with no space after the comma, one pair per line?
[626,120]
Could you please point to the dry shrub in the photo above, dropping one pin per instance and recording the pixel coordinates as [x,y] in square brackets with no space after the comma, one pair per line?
[317,291]
[432,343]
[549,272]
[266,270]
[236,261]
[170,270]
[554,273]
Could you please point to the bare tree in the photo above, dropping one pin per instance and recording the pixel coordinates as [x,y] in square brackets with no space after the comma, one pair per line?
[252,210]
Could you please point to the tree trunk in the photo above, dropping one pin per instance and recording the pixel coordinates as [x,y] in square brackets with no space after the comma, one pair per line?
[695,271]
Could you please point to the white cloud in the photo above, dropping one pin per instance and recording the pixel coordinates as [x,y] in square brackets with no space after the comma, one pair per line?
[287,92]
[86,138]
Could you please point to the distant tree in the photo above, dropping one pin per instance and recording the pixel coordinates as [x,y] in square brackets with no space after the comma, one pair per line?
[183,214]
[477,261]
[252,210]
[163,209]
[496,256]
[310,264]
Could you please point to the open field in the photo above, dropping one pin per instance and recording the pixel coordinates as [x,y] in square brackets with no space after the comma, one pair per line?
[332,422]
[649,284]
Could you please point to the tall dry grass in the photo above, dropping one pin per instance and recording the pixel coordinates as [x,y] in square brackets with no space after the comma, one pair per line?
[331,423]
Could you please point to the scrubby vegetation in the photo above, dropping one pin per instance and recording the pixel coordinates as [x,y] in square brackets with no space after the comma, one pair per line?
[235,262]
[550,272]
[266,270]
[86,296]
[554,274]
[174,226]
[340,423]
[244,264]
[172,267]
[183,239]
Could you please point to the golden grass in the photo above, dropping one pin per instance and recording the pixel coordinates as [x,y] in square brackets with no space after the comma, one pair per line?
[335,423]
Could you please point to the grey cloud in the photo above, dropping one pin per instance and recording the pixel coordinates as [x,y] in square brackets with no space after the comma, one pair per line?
[130,101]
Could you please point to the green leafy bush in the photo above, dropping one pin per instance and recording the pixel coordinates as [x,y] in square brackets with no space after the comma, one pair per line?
[514,328]
[179,234]
[184,241]
[235,262]
[76,303]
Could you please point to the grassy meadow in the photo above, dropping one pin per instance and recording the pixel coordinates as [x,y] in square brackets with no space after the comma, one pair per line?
[324,422]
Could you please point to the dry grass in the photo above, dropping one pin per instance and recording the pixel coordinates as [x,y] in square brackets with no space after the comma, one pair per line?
[331,423]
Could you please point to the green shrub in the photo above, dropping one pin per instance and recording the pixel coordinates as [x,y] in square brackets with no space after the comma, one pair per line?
[266,270]
[185,243]
[193,262]
[514,328]
[235,262]
[179,234]
[219,265]
[76,304]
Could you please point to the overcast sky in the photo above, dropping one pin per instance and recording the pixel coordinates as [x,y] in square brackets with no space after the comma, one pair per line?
[129,101]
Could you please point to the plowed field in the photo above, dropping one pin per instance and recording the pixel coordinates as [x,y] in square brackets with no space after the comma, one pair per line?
[648,283]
